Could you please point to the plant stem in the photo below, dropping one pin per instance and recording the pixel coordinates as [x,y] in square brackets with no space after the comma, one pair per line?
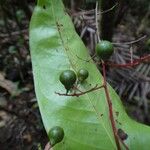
[96,21]
[130,64]
[117,138]
[131,42]
[81,93]
[110,108]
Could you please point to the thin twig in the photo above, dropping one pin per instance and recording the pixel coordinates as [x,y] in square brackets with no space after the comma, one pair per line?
[110,9]
[88,60]
[130,64]
[96,21]
[131,42]
[81,93]
[89,12]
[131,54]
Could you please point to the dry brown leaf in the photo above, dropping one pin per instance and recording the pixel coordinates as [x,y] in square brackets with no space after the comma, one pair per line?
[8,85]
[27,137]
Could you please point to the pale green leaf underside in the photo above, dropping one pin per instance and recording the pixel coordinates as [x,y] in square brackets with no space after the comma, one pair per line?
[54,47]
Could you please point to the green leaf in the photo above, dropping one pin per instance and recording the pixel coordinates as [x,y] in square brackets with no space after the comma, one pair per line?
[54,47]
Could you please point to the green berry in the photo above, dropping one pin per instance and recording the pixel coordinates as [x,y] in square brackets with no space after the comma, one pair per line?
[68,78]
[104,49]
[56,135]
[82,74]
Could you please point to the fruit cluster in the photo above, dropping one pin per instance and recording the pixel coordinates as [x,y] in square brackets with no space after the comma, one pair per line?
[68,78]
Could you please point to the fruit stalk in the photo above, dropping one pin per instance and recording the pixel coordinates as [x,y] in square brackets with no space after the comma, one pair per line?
[81,93]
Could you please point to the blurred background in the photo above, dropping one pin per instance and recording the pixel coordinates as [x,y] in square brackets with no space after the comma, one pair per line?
[125,23]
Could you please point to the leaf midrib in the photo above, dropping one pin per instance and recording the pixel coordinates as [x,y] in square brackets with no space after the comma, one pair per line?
[59,33]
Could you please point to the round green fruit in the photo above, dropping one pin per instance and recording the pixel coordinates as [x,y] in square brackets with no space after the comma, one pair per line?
[82,75]
[56,135]
[104,49]
[68,78]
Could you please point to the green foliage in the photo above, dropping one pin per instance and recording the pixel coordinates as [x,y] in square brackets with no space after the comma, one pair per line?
[85,120]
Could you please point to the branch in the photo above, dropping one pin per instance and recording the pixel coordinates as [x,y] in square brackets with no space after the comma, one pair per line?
[96,21]
[88,60]
[81,93]
[110,108]
[131,42]
[110,9]
[130,64]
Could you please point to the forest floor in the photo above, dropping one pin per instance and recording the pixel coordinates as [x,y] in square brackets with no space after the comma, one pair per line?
[20,122]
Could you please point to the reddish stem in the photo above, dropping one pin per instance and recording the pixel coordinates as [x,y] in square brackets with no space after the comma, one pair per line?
[111,112]
[81,93]
[110,108]
[130,64]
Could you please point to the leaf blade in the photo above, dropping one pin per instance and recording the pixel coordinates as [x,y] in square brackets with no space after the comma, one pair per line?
[54,42]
